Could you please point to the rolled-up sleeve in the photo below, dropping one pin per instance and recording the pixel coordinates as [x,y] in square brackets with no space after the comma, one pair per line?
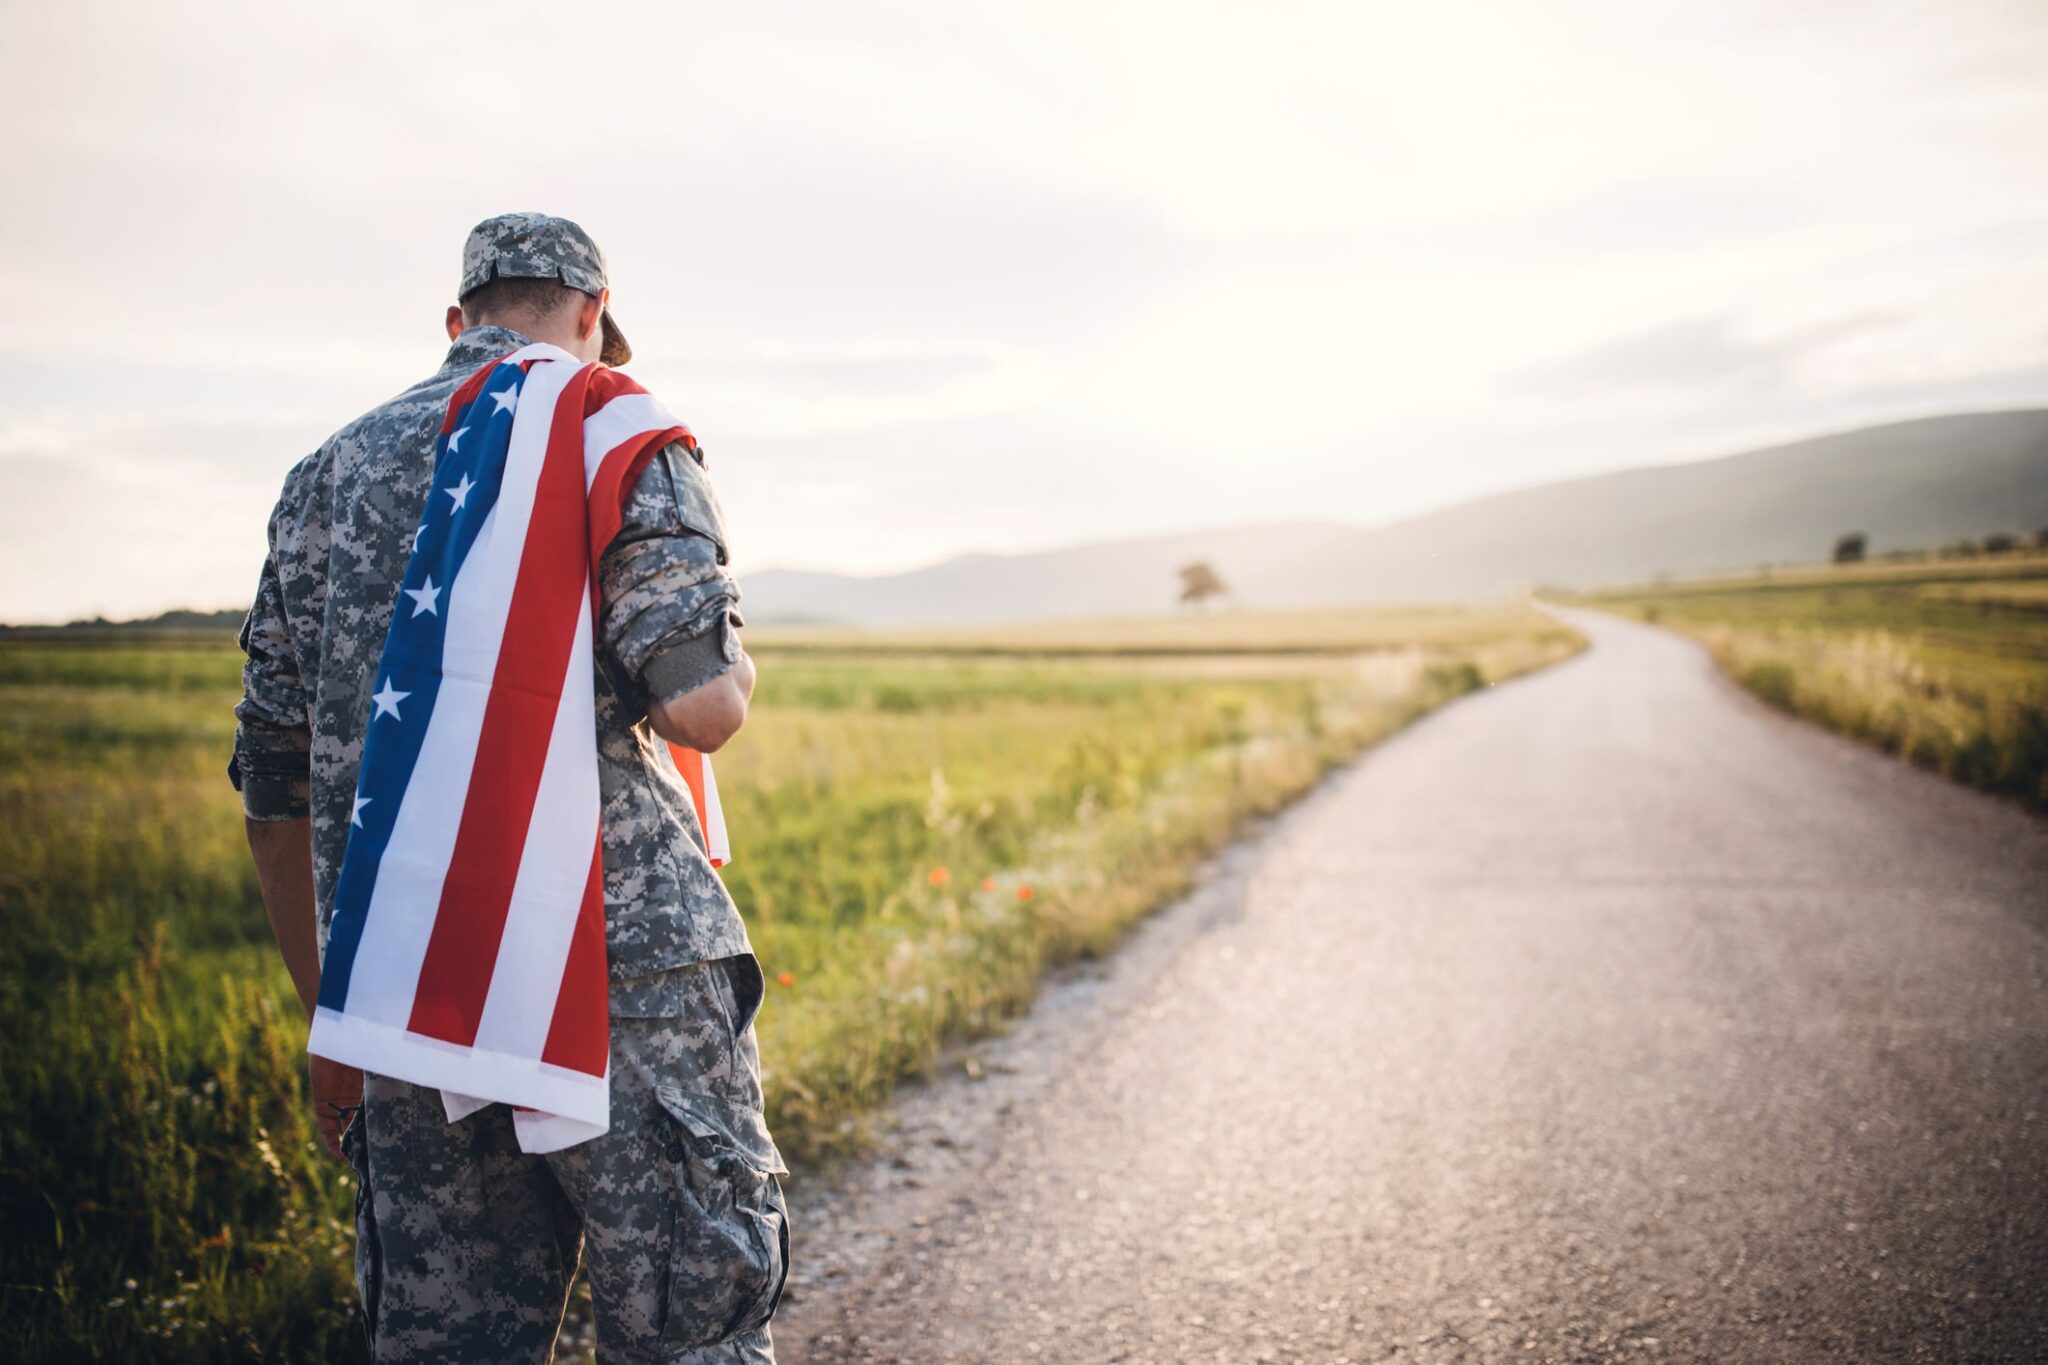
[669,619]
[273,741]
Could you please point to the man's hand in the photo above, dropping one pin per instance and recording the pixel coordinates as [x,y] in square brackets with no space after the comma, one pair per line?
[284,868]
[337,1093]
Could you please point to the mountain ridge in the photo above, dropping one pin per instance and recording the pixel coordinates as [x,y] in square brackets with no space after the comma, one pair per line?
[1909,484]
[1914,484]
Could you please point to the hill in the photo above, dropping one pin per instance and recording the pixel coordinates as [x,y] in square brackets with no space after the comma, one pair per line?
[1907,485]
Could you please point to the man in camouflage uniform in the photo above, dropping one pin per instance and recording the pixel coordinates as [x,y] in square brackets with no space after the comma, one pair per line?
[466,1246]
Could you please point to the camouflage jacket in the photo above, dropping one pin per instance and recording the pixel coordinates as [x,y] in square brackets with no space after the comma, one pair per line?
[339,541]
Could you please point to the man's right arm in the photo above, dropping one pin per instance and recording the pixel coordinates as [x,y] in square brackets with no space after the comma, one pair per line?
[271,767]
[272,762]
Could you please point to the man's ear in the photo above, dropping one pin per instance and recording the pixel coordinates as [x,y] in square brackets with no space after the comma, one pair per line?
[588,314]
[454,321]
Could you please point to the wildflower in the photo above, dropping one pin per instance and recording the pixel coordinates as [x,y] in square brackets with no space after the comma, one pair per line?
[940,876]
[785,978]
[988,883]
[1024,892]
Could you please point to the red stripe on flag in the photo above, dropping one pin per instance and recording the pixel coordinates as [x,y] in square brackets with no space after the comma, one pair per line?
[579,1035]
[540,629]
[467,394]
[690,763]
[616,474]
[606,385]
[621,465]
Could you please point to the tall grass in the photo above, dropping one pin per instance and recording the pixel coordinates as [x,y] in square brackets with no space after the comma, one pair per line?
[158,1184]
[918,836]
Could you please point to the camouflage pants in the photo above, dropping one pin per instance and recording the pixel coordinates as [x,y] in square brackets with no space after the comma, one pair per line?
[466,1246]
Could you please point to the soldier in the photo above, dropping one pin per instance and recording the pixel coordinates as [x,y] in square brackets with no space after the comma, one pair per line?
[465,1245]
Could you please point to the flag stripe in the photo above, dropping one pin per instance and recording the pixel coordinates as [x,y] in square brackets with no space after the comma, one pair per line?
[414,868]
[579,1032]
[618,441]
[467,394]
[539,636]
[715,845]
[411,663]
[695,770]
[553,869]
[624,418]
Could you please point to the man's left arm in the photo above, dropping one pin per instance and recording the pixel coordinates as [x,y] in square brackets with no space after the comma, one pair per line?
[670,618]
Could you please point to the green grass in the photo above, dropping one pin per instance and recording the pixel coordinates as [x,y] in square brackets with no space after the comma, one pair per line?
[1943,662]
[919,831]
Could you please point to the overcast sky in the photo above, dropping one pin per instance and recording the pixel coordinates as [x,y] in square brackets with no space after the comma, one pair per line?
[935,277]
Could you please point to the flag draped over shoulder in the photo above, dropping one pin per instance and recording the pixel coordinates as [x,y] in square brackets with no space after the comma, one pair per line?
[467,945]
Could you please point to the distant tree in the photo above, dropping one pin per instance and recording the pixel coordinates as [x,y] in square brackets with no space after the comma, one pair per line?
[1959,549]
[1849,547]
[2041,539]
[1199,582]
[2000,543]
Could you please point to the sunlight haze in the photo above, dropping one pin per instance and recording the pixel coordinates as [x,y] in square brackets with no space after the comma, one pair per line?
[927,279]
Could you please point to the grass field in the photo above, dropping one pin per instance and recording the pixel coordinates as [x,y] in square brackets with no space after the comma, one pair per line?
[1943,662]
[922,825]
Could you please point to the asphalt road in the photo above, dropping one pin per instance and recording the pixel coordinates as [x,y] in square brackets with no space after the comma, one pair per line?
[1607,1015]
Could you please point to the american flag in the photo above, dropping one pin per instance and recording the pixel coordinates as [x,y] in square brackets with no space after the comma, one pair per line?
[466,949]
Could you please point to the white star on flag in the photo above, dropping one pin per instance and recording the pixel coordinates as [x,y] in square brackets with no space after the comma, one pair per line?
[355,817]
[506,398]
[424,598]
[456,436]
[460,492]
[387,701]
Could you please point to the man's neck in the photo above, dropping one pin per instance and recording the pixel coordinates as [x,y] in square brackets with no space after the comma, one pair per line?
[550,333]
[473,345]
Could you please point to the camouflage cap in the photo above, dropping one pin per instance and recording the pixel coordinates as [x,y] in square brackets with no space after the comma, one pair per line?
[538,246]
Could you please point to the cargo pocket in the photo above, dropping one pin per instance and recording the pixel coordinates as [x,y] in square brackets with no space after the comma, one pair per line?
[728,1225]
[355,1146]
[749,989]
